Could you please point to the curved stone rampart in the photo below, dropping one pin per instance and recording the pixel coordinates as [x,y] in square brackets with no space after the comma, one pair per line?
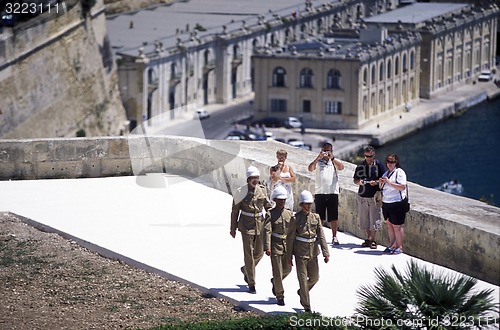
[456,232]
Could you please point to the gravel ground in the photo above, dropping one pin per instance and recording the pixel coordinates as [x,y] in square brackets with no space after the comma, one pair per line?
[48,282]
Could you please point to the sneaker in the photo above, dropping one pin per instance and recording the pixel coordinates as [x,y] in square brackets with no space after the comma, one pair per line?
[245,278]
[373,245]
[307,310]
[335,241]
[366,243]
[281,302]
[251,289]
[274,291]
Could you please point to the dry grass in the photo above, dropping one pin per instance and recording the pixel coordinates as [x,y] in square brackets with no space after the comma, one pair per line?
[48,282]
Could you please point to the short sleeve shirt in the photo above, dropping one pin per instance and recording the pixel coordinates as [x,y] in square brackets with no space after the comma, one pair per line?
[327,181]
[391,194]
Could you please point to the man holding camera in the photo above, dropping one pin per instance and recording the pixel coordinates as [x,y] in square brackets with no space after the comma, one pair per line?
[366,176]
[326,197]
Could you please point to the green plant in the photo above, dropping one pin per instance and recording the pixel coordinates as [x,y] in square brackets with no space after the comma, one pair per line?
[420,299]
[199,27]
[274,322]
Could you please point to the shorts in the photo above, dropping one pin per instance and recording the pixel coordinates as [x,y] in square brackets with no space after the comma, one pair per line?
[368,213]
[394,212]
[327,204]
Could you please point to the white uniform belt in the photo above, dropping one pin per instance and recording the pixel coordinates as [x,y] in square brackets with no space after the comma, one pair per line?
[307,240]
[249,214]
[279,235]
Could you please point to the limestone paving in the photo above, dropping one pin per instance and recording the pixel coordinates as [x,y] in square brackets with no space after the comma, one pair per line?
[180,229]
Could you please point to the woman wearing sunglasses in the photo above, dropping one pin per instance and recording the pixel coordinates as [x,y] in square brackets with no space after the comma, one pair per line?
[393,187]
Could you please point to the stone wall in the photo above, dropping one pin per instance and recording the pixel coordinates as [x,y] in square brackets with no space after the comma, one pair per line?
[453,231]
[57,77]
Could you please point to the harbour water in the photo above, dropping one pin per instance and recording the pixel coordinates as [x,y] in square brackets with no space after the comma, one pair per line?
[466,148]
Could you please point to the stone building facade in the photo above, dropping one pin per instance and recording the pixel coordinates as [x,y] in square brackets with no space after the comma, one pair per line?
[350,78]
[346,84]
[458,41]
[214,66]
[58,77]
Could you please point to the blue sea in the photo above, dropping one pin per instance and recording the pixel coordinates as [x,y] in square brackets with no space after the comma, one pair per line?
[466,148]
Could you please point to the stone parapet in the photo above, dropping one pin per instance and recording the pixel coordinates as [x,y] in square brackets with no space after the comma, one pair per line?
[456,232]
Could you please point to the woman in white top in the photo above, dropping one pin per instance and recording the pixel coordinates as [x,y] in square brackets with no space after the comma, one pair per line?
[393,187]
[283,175]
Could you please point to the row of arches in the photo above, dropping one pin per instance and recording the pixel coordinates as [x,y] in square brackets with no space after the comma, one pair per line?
[306,78]
[386,70]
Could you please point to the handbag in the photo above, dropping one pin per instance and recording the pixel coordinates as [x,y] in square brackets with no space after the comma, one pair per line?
[406,203]
[406,200]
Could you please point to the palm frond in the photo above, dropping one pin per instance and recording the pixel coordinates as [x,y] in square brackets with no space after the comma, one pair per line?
[421,295]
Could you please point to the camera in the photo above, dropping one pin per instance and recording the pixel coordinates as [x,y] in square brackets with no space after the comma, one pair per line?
[325,153]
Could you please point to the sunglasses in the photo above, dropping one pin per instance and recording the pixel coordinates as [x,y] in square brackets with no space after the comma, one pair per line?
[391,161]
[369,156]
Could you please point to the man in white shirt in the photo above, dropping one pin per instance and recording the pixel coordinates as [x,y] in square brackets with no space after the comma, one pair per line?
[326,196]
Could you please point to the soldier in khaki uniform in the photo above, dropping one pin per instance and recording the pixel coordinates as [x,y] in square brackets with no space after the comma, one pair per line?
[250,205]
[276,227]
[306,232]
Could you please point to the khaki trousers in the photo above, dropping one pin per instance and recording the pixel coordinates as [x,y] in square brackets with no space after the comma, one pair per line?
[253,250]
[308,276]
[281,269]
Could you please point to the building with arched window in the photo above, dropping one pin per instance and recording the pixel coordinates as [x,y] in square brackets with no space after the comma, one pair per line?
[389,61]
[458,41]
[338,85]
[199,52]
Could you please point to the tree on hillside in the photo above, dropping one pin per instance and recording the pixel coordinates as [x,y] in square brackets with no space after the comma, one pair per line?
[419,299]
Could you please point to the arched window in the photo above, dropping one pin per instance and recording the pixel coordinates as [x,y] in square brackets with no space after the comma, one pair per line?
[303,30]
[288,35]
[173,70]
[273,40]
[389,69]
[333,79]
[381,72]
[279,75]
[396,66]
[405,63]
[205,57]
[412,60]
[255,44]
[151,76]
[373,75]
[365,76]
[306,77]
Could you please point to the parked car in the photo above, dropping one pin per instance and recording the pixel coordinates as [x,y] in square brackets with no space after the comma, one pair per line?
[280,140]
[300,144]
[203,114]
[8,19]
[486,75]
[246,135]
[233,137]
[269,135]
[269,122]
[293,122]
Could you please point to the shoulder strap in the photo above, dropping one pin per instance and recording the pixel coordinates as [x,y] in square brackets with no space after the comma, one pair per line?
[400,194]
